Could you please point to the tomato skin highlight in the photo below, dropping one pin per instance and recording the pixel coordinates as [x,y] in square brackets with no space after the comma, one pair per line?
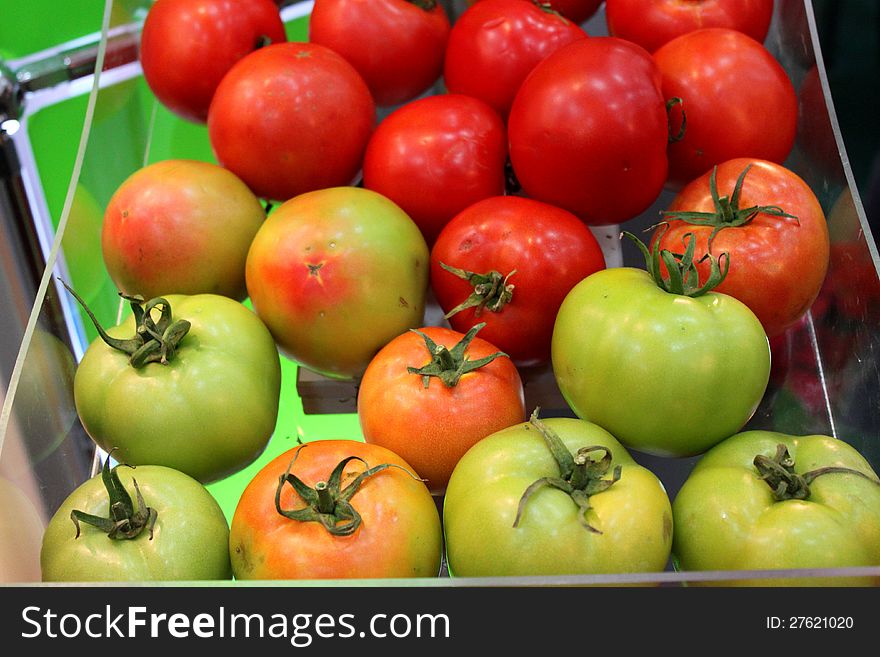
[550,250]
[395,45]
[432,427]
[291,118]
[336,274]
[666,374]
[187,46]
[481,502]
[588,130]
[399,536]
[777,264]
[726,517]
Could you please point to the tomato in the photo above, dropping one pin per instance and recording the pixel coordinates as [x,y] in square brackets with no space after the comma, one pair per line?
[187,46]
[437,155]
[291,118]
[429,395]
[396,45]
[336,274]
[496,43]
[668,370]
[725,79]
[198,394]
[334,509]
[576,11]
[588,130]
[651,24]
[136,525]
[769,222]
[554,497]
[509,262]
[181,227]
[21,535]
[763,501]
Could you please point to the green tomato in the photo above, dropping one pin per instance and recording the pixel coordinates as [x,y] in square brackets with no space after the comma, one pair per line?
[665,373]
[624,526]
[179,531]
[208,411]
[738,513]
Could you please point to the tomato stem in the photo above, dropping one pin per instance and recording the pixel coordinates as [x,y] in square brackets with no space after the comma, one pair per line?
[154,341]
[449,365]
[786,484]
[491,290]
[683,276]
[727,213]
[328,503]
[124,522]
[580,476]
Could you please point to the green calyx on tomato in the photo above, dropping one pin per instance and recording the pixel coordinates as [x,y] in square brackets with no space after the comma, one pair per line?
[491,290]
[727,212]
[580,476]
[154,341]
[683,276]
[449,365]
[124,522]
[779,473]
[328,503]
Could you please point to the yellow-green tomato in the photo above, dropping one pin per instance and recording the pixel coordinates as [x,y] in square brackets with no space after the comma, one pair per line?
[619,522]
[667,374]
[208,410]
[186,539]
[763,500]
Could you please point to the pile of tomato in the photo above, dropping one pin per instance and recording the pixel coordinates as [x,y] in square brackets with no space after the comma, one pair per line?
[341,229]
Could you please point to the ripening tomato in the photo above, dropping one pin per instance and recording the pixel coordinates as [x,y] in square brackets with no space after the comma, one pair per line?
[588,130]
[495,44]
[291,118]
[187,46]
[396,45]
[429,395]
[769,222]
[437,155]
[509,261]
[333,509]
[180,227]
[650,23]
[725,79]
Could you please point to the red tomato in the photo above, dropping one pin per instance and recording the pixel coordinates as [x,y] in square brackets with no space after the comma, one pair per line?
[432,420]
[397,532]
[291,118]
[777,263]
[161,228]
[437,155]
[588,130]
[526,255]
[187,46]
[396,45]
[737,98]
[576,11]
[495,44]
[651,23]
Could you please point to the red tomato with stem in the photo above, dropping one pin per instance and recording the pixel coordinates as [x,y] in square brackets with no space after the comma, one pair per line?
[769,222]
[291,118]
[737,99]
[588,130]
[429,395]
[495,44]
[396,45]
[509,261]
[187,46]
[437,155]
[334,509]
[650,23]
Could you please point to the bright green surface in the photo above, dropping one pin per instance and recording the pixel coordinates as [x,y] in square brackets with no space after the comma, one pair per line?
[123,131]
